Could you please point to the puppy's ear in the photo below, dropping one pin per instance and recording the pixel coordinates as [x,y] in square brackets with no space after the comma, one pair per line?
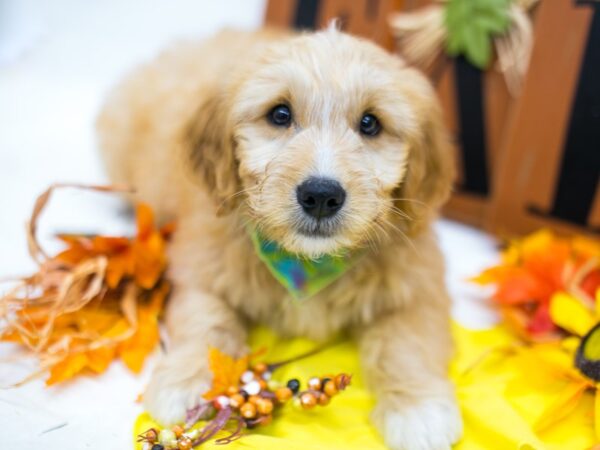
[430,169]
[211,151]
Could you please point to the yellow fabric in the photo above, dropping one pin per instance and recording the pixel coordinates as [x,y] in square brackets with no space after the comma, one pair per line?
[500,400]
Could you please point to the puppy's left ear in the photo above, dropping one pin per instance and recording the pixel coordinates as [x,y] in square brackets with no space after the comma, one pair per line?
[210,148]
[430,169]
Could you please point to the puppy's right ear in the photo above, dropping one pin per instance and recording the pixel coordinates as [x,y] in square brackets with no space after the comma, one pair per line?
[210,146]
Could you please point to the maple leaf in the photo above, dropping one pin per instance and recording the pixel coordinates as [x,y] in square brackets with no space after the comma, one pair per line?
[533,270]
[226,371]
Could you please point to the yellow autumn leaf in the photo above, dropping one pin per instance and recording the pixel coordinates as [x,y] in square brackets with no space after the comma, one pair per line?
[597,413]
[571,314]
[564,404]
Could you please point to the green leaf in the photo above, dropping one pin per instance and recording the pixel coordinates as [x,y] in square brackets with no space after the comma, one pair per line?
[471,26]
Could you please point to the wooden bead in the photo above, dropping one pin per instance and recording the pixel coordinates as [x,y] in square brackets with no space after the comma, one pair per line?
[260,368]
[248,411]
[263,385]
[314,384]
[297,403]
[167,438]
[178,430]
[151,435]
[264,406]
[184,443]
[247,377]
[273,385]
[222,401]
[283,394]
[308,400]
[254,399]
[232,390]
[323,400]
[237,400]
[341,381]
[192,434]
[330,388]
[252,388]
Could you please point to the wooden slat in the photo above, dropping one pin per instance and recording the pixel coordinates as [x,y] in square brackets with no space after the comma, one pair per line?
[528,167]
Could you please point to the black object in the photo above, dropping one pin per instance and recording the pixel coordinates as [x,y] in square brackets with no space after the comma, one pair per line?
[580,168]
[589,367]
[280,116]
[294,385]
[306,14]
[320,197]
[471,123]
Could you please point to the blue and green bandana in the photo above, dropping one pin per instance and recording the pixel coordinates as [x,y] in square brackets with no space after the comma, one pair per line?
[302,277]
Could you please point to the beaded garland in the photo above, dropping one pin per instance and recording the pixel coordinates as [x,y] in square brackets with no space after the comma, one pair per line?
[248,404]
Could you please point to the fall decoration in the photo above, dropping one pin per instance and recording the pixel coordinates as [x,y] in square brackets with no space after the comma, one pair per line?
[548,291]
[244,395]
[97,300]
[546,285]
[473,28]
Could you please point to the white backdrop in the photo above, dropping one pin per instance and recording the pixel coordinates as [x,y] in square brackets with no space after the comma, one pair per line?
[57,60]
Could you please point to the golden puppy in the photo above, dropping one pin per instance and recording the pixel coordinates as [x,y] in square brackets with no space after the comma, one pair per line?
[326,144]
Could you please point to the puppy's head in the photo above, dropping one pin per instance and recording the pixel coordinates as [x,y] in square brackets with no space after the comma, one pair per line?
[328,142]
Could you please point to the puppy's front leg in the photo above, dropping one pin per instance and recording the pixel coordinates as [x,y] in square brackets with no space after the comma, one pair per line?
[195,321]
[405,357]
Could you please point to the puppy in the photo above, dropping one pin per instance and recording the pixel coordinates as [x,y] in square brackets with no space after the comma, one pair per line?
[325,144]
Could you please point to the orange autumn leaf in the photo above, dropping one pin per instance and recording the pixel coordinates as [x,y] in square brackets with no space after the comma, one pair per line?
[97,300]
[533,270]
[226,371]
[67,368]
[134,350]
[98,360]
[144,220]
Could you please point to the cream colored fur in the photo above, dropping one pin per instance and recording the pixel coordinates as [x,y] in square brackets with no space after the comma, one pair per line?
[189,132]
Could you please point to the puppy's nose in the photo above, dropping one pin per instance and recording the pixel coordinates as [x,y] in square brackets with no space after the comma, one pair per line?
[320,197]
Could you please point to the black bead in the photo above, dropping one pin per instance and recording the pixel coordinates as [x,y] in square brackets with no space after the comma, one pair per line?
[245,394]
[157,447]
[294,385]
[251,423]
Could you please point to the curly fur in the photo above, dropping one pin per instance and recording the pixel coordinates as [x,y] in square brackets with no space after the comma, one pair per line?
[188,131]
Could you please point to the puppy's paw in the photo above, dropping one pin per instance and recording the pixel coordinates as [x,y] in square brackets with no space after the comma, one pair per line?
[429,424]
[173,390]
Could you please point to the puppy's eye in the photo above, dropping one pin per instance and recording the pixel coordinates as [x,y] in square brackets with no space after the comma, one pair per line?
[369,125]
[280,116]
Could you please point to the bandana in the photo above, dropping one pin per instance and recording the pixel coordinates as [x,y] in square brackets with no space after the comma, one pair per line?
[302,277]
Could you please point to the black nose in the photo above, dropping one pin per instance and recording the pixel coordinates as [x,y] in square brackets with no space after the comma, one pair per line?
[321,197]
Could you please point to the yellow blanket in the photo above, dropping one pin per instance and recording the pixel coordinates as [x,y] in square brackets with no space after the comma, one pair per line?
[499,401]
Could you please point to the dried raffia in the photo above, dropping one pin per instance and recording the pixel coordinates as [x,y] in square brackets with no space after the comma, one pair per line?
[420,36]
[97,300]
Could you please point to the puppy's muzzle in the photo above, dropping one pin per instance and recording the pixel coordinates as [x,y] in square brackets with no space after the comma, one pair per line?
[320,197]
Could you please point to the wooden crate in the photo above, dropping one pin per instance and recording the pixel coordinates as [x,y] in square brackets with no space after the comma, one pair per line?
[367,18]
[549,170]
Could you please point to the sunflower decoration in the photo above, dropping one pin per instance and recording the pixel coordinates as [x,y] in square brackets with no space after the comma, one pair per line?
[547,289]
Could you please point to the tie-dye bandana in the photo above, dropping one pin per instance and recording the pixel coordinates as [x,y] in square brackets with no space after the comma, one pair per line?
[302,277]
